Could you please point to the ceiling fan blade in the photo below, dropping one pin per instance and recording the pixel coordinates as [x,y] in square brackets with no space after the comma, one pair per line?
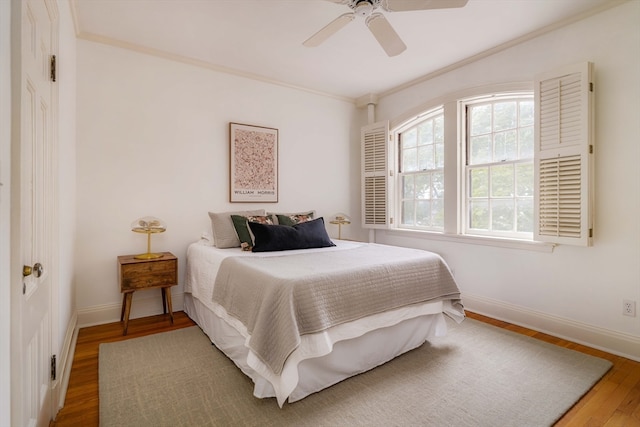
[330,29]
[385,34]
[406,5]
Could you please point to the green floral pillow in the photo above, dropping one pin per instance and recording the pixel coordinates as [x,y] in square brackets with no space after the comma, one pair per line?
[293,219]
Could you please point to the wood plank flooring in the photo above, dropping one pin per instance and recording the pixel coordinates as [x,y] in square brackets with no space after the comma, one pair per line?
[612,402]
[81,403]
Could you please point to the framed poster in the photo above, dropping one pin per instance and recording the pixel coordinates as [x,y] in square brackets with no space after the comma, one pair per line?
[253,163]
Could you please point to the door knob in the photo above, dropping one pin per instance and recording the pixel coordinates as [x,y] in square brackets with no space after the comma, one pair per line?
[37,269]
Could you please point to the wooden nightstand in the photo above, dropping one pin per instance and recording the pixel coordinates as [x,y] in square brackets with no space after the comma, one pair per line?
[136,274]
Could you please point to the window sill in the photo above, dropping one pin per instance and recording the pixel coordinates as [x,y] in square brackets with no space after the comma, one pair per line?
[528,245]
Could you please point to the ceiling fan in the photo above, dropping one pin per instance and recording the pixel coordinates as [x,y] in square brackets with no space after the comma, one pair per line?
[376,21]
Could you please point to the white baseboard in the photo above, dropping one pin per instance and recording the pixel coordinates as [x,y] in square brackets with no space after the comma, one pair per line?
[65,361]
[617,343]
[144,304]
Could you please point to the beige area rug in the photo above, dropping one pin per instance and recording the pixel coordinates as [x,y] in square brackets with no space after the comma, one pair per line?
[478,375]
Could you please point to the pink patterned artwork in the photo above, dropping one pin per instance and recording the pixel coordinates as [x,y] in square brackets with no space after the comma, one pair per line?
[254,163]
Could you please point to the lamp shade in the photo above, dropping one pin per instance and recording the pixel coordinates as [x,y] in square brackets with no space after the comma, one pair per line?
[340,218]
[148,224]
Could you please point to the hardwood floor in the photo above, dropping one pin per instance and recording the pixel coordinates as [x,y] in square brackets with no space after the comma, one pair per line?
[613,401]
[81,404]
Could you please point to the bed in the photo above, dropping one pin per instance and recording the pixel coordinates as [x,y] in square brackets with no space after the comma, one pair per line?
[298,321]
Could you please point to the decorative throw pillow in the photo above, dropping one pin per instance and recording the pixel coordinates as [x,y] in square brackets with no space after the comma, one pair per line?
[294,218]
[305,235]
[224,233]
[244,235]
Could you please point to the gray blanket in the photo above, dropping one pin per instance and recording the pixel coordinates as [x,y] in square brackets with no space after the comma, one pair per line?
[280,298]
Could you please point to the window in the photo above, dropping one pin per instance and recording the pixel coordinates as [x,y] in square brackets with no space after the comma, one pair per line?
[499,182]
[516,163]
[421,173]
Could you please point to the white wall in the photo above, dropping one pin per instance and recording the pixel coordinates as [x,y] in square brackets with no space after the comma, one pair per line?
[66,81]
[152,139]
[64,300]
[576,292]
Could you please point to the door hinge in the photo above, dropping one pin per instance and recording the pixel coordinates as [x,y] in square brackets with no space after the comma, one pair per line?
[53,367]
[53,68]
[590,232]
[590,86]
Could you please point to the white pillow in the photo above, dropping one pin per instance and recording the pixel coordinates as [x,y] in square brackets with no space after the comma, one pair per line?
[224,233]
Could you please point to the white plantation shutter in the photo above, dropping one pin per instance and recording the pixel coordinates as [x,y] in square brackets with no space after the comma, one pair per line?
[564,156]
[374,144]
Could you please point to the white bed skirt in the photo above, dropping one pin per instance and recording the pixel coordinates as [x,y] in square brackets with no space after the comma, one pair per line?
[347,357]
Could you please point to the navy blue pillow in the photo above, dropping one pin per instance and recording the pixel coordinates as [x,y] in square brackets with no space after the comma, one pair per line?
[304,235]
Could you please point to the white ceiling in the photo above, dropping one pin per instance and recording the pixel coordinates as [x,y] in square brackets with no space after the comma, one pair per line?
[263,38]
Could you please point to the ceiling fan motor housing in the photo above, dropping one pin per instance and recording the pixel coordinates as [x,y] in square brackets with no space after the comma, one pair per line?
[364,8]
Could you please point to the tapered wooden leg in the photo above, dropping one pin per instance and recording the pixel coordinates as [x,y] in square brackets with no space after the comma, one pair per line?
[164,300]
[168,294]
[127,311]
[124,298]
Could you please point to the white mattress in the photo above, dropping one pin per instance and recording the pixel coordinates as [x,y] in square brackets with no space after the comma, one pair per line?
[322,359]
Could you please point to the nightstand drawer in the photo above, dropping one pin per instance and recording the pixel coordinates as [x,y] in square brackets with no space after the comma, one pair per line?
[135,274]
[158,273]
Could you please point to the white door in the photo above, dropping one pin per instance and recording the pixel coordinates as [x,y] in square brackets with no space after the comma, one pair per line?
[32,321]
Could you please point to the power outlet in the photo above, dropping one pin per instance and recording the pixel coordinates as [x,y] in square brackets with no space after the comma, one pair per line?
[629,308]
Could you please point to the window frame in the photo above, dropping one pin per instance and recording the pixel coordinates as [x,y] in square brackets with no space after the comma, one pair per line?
[563,144]
[430,114]
[454,173]
[465,166]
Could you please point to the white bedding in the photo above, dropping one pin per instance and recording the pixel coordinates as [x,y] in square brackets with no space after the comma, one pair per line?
[323,358]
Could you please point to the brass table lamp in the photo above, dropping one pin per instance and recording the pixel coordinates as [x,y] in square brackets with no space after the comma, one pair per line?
[149,225]
[340,220]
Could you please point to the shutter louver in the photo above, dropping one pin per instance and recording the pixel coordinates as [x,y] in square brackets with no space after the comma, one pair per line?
[375,195]
[374,175]
[560,189]
[560,112]
[563,158]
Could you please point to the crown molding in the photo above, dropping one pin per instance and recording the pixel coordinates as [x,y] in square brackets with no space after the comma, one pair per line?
[360,101]
[505,46]
[202,64]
